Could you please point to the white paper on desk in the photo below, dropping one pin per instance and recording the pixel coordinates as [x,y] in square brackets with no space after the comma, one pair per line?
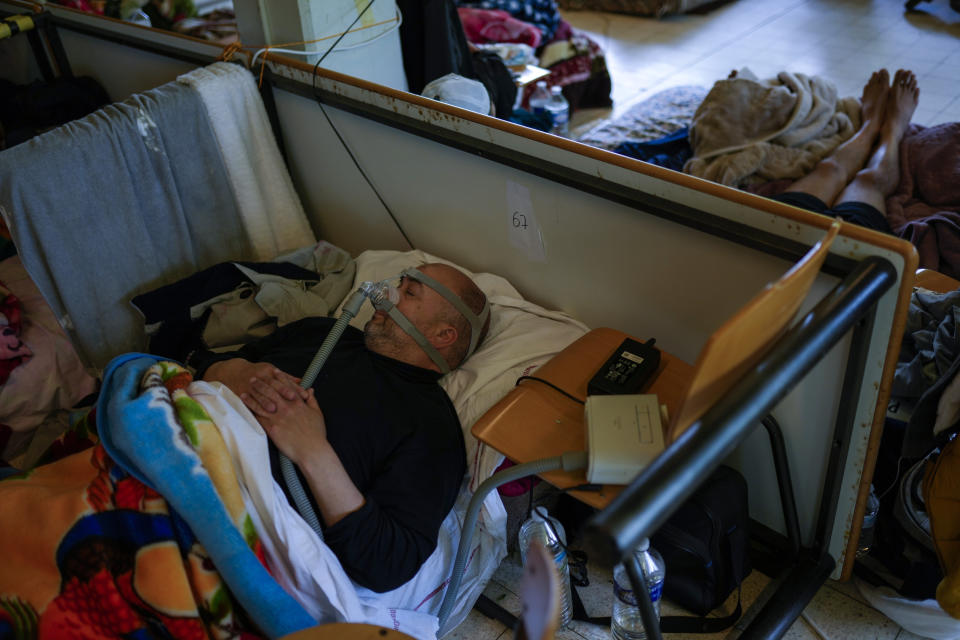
[522,226]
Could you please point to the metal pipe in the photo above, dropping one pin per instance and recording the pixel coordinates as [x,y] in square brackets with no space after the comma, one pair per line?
[842,432]
[787,502]
[569,461]
[50,32]
[660,488]
[790,599]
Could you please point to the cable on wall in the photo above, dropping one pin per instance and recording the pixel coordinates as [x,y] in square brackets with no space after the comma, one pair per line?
[316,96]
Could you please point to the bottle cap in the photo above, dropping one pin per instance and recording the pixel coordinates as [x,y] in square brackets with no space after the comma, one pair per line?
[643,545]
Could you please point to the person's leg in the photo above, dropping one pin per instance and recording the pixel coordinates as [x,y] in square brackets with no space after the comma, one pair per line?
[833,173]
[879,178]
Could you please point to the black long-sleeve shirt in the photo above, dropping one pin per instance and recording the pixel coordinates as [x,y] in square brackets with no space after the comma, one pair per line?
[398,437]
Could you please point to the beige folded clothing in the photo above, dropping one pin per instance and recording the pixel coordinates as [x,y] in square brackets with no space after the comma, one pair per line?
[748,131]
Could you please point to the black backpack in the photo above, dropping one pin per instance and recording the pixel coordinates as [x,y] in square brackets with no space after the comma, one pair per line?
[704,546]
[493,73]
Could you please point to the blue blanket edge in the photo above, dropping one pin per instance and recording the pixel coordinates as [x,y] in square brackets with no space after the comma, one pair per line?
[271,608]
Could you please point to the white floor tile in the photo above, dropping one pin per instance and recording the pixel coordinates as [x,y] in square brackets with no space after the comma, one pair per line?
[919,66]
[927,118]
[839,616]
[833,52]
[936,102]
[848,588]
[950,114]
[940,85]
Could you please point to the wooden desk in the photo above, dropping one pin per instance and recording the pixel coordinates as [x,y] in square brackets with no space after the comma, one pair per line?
[534,421]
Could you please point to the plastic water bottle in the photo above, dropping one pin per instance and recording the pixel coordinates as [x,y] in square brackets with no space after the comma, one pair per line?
[138,16]
[626,623]
[865,543]
[539,98]
[548,530]
[559,110]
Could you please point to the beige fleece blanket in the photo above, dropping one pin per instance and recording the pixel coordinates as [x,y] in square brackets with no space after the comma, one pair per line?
[748,131]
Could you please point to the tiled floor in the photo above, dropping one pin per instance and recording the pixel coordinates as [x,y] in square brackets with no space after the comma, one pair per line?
[844,40]
[837,612]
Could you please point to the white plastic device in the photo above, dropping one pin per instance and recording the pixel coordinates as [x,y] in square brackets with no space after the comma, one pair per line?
[624,434]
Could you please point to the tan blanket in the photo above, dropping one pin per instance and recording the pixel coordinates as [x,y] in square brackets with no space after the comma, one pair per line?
[748,131]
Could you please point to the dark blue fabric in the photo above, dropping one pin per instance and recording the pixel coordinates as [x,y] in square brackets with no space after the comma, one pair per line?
[860,213]
[6,470]
[540,121]
[670,151]
[542,14]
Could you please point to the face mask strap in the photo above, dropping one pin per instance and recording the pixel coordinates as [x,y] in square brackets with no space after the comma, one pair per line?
[418,337]
[476,321]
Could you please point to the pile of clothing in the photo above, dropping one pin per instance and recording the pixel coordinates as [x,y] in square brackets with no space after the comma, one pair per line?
[218,25]
[455,37]
[749,131]
[912,570]
[575,61]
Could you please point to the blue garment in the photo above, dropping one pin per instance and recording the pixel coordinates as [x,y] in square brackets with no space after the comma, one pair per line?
[671,151]
[540,121]
[861,213]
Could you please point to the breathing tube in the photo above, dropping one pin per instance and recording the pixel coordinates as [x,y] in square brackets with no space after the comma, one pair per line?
[378,293]
[384,297]
[570,461]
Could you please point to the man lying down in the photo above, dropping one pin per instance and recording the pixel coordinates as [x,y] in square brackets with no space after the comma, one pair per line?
[376,441]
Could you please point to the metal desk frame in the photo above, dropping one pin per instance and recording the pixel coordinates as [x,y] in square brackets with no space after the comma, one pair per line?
[656,492]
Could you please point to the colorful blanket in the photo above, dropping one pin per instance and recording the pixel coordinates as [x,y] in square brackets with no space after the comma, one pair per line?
[93,549]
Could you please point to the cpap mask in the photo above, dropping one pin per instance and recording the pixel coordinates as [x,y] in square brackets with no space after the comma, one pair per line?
[384,297]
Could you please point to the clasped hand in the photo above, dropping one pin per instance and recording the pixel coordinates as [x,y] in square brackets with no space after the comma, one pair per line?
[288,413]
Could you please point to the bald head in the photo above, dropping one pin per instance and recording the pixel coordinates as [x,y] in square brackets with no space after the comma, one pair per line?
[474,299]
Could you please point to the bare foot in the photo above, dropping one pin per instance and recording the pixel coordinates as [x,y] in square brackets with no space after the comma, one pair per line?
[901,102]
[873,103]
